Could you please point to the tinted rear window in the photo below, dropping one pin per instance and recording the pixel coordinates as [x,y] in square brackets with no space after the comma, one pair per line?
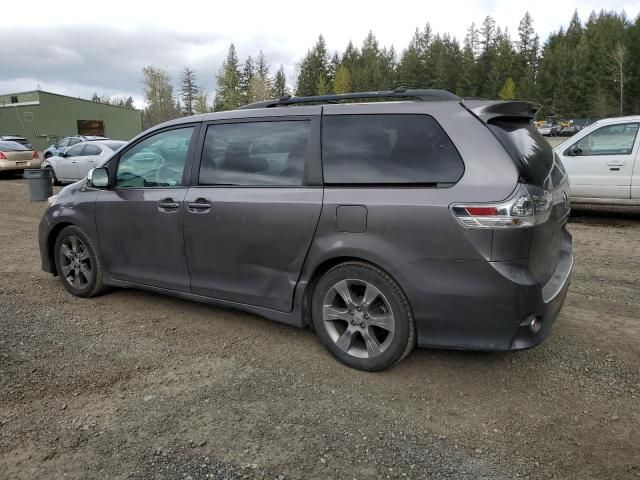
[12,146]
[387,149]
[529,150]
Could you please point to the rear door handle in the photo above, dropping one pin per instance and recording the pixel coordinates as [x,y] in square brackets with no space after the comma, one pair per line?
[168,204]
[201,205]
[615,163]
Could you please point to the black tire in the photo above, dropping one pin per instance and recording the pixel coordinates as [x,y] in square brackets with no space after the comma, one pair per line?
[88,285]
[48,155]
[403,339]
[54,180]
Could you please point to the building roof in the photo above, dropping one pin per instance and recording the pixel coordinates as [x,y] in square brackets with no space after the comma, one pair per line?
[64,96]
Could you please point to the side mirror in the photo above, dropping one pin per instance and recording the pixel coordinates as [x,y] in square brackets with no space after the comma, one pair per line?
[98,177]
[575,150]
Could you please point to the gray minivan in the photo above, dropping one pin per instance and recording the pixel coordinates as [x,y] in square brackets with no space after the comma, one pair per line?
[417,217]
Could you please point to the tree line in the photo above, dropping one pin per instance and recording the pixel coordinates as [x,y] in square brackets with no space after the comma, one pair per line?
[591,69]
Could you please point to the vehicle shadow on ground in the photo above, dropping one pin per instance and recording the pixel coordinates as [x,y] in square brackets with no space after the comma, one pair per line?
[602,214]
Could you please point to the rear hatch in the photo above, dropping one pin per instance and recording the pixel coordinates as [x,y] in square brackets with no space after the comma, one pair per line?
[512,125]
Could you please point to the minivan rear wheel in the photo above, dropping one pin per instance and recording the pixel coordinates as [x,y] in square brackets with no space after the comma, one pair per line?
[77,263]
[362,316]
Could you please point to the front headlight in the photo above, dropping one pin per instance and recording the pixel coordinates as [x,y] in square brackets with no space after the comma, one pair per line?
[52,199]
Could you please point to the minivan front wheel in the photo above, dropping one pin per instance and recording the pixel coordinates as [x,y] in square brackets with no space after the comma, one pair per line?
[77,263]
[362,316]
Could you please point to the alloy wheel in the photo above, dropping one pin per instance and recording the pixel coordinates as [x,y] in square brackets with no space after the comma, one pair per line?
[358,318]
[75,262]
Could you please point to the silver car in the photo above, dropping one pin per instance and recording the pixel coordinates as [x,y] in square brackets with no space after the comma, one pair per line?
[74,163]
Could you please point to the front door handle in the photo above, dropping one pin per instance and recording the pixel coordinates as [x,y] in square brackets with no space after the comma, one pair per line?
[201,205]
[168,204]
[615,163]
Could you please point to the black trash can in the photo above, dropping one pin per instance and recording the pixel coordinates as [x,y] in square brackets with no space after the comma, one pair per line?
[39,181]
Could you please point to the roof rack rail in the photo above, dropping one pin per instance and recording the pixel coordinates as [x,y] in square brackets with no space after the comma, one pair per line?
[399,93]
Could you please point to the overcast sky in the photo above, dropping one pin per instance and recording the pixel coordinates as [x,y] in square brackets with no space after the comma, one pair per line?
[80,49]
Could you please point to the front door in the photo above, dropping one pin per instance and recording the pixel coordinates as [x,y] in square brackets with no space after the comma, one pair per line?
[252,210]
[88,160]
[140,220]
[600,164]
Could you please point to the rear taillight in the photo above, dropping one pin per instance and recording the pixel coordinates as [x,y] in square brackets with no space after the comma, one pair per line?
[2,156]
[528,206]
[35,155]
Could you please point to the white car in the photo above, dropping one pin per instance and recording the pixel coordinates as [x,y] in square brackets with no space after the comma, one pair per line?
[603,162]
[545,129]
[74,163]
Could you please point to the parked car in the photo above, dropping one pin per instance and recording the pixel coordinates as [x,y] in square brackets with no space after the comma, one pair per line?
[16,157]
[15,138]
[568,131]
[603,162]
[433,220]
[67,142]
[545,129]
[74,163]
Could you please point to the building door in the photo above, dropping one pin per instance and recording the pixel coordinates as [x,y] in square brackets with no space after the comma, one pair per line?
[91,127]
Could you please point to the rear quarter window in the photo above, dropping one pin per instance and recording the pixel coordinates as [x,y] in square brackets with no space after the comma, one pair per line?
[388,149]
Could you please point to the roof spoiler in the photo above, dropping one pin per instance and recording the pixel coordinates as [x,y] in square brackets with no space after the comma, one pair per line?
[487,110]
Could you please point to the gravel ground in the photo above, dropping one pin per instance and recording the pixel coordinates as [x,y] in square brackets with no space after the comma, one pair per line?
[136,385]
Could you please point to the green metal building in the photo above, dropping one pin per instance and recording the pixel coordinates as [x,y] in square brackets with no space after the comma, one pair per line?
[44,117]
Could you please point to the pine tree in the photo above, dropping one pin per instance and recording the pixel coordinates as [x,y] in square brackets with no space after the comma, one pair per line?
[228,94]
[96,97]
[280,88]
[129,102]
[248,71]
[261,86]
[508,90]
[527,59]
[342,80]
[314,65]
[188,90]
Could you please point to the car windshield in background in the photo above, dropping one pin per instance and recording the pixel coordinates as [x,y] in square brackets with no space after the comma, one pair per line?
[114,145]
[12,147]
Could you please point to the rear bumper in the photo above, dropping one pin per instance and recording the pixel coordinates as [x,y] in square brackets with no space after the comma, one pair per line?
[476,305]
[8,165]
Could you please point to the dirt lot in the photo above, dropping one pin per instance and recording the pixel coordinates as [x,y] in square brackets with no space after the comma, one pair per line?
[135,385]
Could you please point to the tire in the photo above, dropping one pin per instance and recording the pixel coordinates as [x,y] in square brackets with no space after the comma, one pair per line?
[48,155]
[375,328]
[54,180]
[84,278]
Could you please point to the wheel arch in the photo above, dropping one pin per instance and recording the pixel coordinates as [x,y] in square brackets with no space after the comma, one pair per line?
[327,264]
[51,243]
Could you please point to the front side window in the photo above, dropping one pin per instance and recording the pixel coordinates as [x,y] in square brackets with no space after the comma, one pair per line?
[255,153]
[609,140]
[74,151]
[156,161]
[387,149]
